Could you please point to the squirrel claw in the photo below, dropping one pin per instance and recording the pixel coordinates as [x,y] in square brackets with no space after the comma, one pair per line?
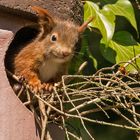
[34,89]
[35,86]
[49,87]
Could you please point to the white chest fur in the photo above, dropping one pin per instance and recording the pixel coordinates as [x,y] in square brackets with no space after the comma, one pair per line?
[48,70]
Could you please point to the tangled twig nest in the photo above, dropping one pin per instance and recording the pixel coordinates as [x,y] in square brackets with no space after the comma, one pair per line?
[107,89]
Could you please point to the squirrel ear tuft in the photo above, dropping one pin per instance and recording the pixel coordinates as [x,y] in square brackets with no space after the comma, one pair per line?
[45,19]
[42,13]
[82,28]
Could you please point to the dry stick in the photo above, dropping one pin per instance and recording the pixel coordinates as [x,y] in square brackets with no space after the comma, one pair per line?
[48,112]
[21,91]
[107,85]
[123,116]
[32,108]
[81,67]
[100,80]
[138,135]
[88,102]
[82,122]
[75,76]
[51,100]
[96,121]
[79,83]
[104,69]
[43,117]
[27,103]
[74,84]
[98,110]
[134,80]
[126,107]
[74,136]
[61,107]
[138,4]
[87,119]
[93,93]
[61,112]
[126,86]
[84,104]
[102,109]
[48,136]
[125,65]
[133,112]
[93,76]
[134,116]
[128,120]
[75,92]
[77,100]
[52,107]
[125,102]
[89,79]
[12,75]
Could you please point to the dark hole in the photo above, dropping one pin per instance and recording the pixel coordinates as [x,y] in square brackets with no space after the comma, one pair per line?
[22,37]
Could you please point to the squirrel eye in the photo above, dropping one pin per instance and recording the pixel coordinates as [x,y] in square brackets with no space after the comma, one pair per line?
[54,38]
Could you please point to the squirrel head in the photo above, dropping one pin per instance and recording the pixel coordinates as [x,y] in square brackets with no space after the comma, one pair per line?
[60,37]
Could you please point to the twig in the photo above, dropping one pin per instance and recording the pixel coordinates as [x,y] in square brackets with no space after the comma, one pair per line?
[125,65]
[32,108]
[108,91]
[61,108]
[44,118]
[77,112]
[134,116]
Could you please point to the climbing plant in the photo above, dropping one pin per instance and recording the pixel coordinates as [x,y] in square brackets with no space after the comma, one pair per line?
[117,43]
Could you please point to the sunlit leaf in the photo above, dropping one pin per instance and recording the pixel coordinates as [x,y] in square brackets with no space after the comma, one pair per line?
[120,51]
[123,8]
[103,20]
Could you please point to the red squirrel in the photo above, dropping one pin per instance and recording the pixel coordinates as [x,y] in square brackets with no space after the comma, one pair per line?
[44,60]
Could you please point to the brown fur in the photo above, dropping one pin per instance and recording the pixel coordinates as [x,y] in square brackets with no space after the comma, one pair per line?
[44,60]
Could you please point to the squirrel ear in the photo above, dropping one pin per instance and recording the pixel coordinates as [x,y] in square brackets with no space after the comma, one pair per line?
[43,14]
[45,20]
[82,28]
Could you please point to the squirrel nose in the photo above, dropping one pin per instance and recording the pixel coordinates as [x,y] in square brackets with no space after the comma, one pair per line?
[65,53]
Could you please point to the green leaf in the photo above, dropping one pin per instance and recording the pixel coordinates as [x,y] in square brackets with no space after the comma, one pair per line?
[87,56]
[103,20]
[120,51]
[124,38]
[123,8]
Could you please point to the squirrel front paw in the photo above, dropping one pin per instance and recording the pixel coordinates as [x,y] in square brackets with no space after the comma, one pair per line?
[48,86]
[35,85]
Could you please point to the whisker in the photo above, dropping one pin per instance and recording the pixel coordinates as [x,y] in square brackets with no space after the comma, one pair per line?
[79,53]
[84,35]
[78,59]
